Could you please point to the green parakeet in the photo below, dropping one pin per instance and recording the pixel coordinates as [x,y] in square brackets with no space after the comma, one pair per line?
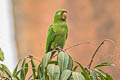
[57,33]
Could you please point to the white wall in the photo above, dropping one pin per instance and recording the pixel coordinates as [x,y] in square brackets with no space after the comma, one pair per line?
[7,40]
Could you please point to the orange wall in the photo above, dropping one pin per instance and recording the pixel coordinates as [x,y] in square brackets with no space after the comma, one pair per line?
[88,20]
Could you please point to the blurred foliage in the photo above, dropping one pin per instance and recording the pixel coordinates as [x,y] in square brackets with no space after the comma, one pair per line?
[1,55]
[63,68]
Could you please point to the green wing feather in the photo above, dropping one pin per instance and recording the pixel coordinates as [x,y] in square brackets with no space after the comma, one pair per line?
[50,38]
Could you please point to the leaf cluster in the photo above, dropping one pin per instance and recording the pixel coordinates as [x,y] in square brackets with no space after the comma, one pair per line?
[62,68]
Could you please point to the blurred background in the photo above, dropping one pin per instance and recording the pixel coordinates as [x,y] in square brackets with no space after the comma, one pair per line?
[7,38]
[24,26]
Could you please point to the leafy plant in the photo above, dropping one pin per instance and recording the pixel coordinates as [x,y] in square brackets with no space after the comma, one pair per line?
[61,68]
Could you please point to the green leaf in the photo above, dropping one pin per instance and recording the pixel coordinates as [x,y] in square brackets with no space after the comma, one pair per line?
[108,77]
[23,64]
[71,78]
[85,73]
[53,72]
[93,75]
[65,75]
[16,75]
[33,68]
[45,60]
[103,75]
[77,76]
[26,69]
[70,64]
[6,70]
[15,78]
[63,61]
[100,72]
[15,70]
[52,62]
[104,64]
[22,74]
[39,72]
[47,77]
[74,69]
[1,55]
[45,63]
[3,73]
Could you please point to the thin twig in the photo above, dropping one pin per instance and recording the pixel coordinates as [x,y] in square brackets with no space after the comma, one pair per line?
[71,47]
[37,60]
[76,45]
[91,61]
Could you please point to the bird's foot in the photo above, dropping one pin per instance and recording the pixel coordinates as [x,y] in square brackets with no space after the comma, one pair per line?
[58,48]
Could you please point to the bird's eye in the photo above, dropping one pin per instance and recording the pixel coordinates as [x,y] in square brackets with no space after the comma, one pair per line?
[59,13]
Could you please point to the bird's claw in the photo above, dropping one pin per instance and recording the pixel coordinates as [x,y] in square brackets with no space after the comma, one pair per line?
[59,48]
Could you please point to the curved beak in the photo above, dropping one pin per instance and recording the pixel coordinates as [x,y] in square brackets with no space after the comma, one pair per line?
[64,15]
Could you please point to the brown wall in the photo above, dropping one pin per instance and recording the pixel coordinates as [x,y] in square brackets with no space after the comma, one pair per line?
[88,20]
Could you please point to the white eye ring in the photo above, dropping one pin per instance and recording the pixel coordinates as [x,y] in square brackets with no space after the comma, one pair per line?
[59,13]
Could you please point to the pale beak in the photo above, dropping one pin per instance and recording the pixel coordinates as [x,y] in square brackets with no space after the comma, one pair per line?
[64,15]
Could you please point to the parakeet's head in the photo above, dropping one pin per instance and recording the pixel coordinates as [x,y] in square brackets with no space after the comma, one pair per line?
[60,15]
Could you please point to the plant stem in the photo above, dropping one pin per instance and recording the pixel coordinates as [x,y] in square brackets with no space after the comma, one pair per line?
[75,45]
[91,61]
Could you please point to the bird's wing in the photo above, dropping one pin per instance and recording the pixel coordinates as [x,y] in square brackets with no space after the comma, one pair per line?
[50,39]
